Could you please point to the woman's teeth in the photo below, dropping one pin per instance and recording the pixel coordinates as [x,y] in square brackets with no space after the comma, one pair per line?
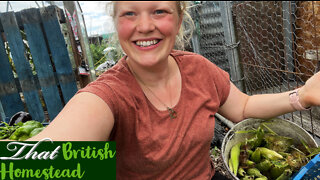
[146,43]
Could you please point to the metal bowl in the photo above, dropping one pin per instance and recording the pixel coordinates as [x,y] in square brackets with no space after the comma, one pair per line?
[280,126]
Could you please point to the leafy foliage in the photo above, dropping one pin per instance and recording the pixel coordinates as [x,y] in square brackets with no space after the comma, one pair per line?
[100,57]
[97,53]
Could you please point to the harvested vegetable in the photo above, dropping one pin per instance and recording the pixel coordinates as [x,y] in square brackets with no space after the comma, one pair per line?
[36,131]
[264,165]
[285,175]
[266,155]
[269,154]
[241,172]
[254,172]
[235,153]
[7,130]
[23,132]
[256,156]
[278,143]
[230,165]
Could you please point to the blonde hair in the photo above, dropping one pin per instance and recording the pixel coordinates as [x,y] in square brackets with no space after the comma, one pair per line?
[185,31]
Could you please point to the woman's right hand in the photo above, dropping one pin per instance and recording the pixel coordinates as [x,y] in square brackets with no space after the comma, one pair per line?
[309,94]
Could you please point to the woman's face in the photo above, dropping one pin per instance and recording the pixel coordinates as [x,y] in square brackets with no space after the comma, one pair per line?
[147,29]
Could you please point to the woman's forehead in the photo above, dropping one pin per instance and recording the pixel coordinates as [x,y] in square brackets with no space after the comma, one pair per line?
[144,4]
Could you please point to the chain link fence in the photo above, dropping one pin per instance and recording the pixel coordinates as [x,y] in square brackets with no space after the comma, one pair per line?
[266,46]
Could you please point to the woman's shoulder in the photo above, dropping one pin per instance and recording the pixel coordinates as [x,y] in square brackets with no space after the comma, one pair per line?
[189,57]
[179,53]
[186,58]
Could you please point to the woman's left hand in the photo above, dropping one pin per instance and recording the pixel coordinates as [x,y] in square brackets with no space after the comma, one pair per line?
[309,94]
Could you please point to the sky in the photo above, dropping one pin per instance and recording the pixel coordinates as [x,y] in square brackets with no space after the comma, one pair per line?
[96,17]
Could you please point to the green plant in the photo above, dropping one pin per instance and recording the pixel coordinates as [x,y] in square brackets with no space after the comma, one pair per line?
[97,53]
[215,151]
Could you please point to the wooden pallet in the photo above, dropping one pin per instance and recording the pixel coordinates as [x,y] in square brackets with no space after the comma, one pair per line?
[50,57]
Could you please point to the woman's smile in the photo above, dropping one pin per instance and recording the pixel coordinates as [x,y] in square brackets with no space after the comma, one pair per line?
[147,44]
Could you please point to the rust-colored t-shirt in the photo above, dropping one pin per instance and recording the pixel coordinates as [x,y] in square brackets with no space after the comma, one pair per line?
[149,144]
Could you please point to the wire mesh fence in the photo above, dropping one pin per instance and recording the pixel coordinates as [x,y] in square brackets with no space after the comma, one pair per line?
[208,39]
[277,44]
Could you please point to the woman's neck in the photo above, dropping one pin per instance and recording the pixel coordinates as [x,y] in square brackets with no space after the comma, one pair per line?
[155,76]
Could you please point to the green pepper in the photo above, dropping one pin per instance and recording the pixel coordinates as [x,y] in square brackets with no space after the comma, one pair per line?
[33,123]
[241,172]
[256,156]
[278,168]
[254,172]
[285,175]
[23,137]
[264,165]
[23,132]
[269,154]
[250,163]
[36,131]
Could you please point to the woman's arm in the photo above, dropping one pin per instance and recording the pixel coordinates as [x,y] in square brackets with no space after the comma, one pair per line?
[240,106]
[86,117]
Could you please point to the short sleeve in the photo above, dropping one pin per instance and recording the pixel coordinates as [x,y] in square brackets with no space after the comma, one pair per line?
[220,79]
[103,91]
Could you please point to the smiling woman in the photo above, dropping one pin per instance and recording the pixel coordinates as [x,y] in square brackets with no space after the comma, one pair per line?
[158,103]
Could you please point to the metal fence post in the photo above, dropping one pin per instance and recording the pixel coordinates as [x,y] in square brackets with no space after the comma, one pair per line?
[288,36]
[231,44]
[195,43]
[195,35]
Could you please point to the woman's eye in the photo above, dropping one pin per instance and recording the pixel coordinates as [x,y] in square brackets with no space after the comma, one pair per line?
[128,13]
[159,12]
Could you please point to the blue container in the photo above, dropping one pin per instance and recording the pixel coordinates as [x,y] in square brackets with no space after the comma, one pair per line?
[310,171]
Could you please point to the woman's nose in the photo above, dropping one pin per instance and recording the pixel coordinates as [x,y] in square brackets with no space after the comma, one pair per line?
[145,24]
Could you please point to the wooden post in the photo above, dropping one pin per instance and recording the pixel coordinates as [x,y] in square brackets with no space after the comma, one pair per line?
[83,80]
[60,57]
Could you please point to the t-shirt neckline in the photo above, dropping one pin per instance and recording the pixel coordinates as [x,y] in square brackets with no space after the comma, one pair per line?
[176,106]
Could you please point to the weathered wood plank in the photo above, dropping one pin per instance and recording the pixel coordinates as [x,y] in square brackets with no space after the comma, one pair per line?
[57,47]
[60,13]
[32,26]
[9,95]
[14,38]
